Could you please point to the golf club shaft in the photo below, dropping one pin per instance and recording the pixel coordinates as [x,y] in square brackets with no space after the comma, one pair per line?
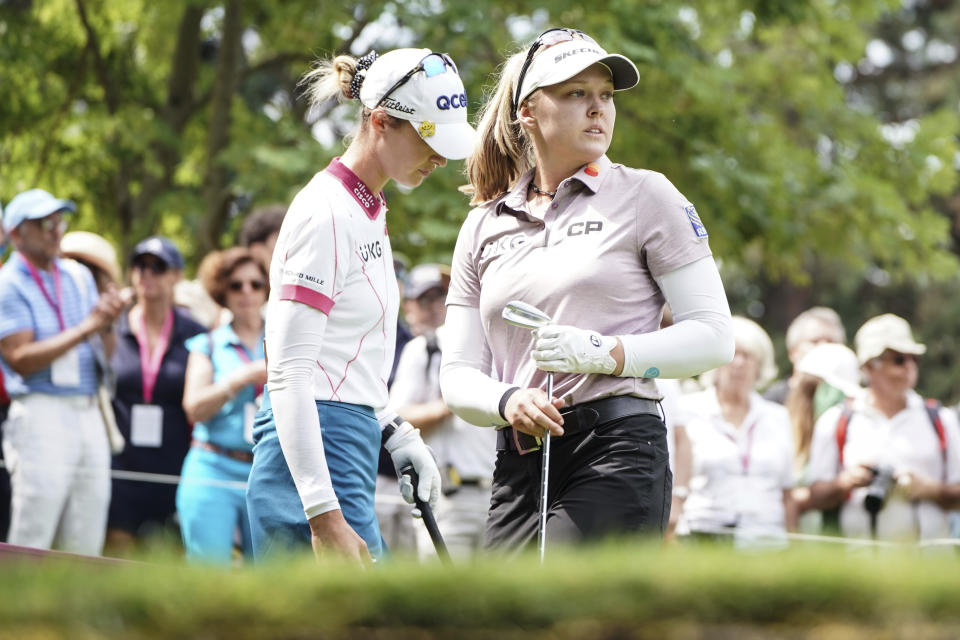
[544,478]
[426,513]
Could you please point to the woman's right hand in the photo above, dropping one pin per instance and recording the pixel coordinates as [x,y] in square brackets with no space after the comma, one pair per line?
[530,411]
[330,533]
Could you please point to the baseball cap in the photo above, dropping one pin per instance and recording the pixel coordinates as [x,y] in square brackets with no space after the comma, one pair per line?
[835,364]
[33,205]
[159,247]
[887,331]
[567,58]
[91,248]
[433,99]
[424,277]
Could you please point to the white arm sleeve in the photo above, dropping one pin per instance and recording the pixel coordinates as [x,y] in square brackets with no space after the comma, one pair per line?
[701,337]
[294,333]
[467,389]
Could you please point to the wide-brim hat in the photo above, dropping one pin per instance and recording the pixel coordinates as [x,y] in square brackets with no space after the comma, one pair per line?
[424,277]
[887,331]
[93,249]
[835,364]
[435,105]
[564,60]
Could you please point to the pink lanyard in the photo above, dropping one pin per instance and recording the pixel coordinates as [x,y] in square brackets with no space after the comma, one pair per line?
[242,352]
[744,455]
[150,362]
[58,289]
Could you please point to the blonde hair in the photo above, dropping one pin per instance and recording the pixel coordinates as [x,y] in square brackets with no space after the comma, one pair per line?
[800,407]
[505,152]
[750,336]
[329,79]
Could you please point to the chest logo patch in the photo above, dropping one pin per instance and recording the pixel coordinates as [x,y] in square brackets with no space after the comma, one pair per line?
[584,228]
[695,221]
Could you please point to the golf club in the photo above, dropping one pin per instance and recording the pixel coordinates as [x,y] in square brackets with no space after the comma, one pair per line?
[526,316]
[426,513]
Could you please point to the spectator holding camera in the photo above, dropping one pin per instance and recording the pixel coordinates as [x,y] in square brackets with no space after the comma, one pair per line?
[887,458]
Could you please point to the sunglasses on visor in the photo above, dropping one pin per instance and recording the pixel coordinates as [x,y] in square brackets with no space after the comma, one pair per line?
[432,65]
[546,39]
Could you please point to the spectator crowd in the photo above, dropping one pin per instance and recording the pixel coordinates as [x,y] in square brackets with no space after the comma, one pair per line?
[127,408]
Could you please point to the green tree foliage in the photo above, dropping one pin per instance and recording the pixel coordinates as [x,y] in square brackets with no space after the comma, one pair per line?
[180,116]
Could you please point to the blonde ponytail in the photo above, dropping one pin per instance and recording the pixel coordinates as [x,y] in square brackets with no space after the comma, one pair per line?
[504,152]
[330,78]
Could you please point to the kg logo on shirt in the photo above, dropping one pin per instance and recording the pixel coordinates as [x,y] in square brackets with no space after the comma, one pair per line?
[370,250]
[695,221]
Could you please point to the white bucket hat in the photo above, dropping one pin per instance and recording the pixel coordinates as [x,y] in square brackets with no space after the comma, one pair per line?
[570,52]
[425,89]
[887,331]
[835,364]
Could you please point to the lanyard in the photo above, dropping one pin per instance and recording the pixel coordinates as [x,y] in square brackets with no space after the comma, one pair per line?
[242,352]
[57,286]
[150,362]
[744,455]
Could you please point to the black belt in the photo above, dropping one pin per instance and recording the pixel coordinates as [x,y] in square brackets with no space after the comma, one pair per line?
[579,418]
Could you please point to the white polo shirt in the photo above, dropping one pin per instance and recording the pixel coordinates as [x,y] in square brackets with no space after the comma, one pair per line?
[333,254]
[591,260]
[905,442]
[471,450]
[739,474]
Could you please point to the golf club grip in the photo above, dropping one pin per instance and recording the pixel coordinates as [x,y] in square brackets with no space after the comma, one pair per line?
[426,513]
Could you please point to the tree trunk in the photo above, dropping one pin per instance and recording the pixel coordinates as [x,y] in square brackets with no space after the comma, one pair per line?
[216,190]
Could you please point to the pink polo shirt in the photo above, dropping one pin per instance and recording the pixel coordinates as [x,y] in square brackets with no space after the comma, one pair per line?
[591,261]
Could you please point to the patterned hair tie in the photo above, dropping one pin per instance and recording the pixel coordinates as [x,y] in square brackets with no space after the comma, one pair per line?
[363,64]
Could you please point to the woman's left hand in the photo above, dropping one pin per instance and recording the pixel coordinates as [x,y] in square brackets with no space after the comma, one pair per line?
[571,350]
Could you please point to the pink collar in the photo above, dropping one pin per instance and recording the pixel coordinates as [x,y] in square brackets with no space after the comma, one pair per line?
[370,203]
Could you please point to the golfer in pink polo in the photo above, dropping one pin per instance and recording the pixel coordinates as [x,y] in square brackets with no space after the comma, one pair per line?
[599,247]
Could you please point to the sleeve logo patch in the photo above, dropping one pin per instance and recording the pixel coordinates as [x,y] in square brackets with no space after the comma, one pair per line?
[652,372]
[695,221]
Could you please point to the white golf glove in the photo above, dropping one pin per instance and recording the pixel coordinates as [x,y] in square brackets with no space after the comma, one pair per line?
[572,350]
[407,448]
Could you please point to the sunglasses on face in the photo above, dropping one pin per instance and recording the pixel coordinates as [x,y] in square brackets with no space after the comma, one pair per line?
[156,267]
[899,359]
[51,223]
[546,39]
[255,285]
[432,65]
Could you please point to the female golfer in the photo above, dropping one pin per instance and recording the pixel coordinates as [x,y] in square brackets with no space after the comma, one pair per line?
[332,312]
[598,247]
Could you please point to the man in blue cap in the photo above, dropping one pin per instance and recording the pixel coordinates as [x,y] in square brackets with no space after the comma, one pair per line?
[55,442]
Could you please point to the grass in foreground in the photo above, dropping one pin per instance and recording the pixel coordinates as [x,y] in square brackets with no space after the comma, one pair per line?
[613,591]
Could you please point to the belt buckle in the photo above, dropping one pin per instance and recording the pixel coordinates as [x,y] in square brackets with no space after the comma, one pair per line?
[529,449]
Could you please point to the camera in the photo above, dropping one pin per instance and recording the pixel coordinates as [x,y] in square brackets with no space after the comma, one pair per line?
[878,489]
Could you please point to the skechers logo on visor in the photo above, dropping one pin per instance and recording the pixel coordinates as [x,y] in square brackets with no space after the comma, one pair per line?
[390,103]
[456,101]
[567,54]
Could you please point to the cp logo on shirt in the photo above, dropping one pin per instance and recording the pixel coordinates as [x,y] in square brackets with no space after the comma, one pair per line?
[584,228]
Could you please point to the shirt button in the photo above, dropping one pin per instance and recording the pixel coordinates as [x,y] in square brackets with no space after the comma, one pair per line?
[553,206]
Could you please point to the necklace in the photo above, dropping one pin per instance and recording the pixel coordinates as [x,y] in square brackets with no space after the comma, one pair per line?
[540,192]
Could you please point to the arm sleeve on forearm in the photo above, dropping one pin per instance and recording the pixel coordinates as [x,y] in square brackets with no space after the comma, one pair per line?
[467,389]
[293,338]
[701,337]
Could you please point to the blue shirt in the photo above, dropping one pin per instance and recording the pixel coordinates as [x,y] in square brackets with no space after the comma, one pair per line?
[226,428]
[23,307]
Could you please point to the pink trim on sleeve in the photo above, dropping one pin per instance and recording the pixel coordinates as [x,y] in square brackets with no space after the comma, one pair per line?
[307,296]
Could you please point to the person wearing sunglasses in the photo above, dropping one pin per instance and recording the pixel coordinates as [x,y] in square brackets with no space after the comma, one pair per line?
[889,443]
[54,438]
[150,363]
[332,312]
[598,247]
[226,372]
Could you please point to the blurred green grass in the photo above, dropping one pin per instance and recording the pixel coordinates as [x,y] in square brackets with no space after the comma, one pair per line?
[615,591]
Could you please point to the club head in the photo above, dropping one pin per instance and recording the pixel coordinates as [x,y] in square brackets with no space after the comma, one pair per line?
[523,315]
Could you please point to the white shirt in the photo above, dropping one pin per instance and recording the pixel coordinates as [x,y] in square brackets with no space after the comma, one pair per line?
[333,254]
[905,442]
[739,474]
[331,319]
[469,449]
